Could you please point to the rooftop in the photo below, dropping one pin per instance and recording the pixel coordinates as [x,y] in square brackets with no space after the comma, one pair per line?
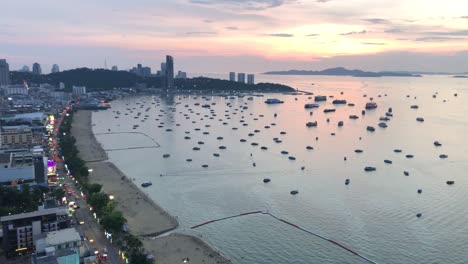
[41,212]
[15,173]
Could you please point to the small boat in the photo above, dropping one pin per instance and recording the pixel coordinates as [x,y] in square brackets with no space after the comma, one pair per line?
[329,110]
[196,148]
[406,173]
[443,156]
[358,151]
[371,105]
[309,106]
[188,160]
[264,148]
[311,124]
[204,166]
[420,119]
[353,117]
[384,118]
[450,182]
[370,169]
[266,180]
[219,138]
[273,101]
[166,156]
[291,158]
[389,114]
[309,147]
[346,181]
[294,192]
[320,98]
[414,107]
[437,144]
[216,154]
[418,215]
[382,125]
[397,150]
[419,190]
[146,184]
[388,161]
[222,147]
[283,133]
[338,101]
[370,128]
[409,156]
[243,140]
[284,152]
[351,104]
[340,124]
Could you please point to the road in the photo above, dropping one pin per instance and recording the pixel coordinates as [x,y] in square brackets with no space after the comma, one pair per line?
[90,228]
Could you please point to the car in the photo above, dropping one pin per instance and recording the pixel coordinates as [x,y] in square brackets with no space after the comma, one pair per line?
[104,257]
[82,222]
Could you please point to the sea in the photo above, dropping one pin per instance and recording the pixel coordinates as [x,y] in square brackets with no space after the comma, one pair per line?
[375,215]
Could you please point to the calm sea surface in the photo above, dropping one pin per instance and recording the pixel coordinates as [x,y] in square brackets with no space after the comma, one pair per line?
[374,215]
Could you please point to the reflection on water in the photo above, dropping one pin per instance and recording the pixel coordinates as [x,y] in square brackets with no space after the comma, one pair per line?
[374,215]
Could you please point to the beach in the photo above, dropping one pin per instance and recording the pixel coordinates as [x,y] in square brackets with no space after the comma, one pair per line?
[145,218]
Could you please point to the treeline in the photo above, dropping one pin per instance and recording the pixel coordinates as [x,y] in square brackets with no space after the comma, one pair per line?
[15,201]
[94,79]
[203,83]
[111,219]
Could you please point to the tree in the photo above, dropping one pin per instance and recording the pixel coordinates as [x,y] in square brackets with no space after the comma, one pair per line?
[93,188]
[59,193]
[113,221]
[98,201]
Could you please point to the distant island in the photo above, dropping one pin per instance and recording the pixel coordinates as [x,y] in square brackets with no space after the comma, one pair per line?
[460,76]
[340,71]
[101,79]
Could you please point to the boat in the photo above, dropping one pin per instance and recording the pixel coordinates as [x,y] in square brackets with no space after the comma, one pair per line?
[420,119]
[329,110]
[406,173]
[371,105]
[419,190]
[384,118]
[294,192]
[418,215]
[320,98]
[166,156]
[450,182]
[273,101]
[414,107]
[339,101]
[311,124]
[346,181]
[409,156]
[266,180]
[370,169]
[382,125]
[308,106]
[358,151]
[397,150]
[146,184]
[437,144]
[443,156]
[284,152]
[291,158]
[309,147]
[353,117]
[340,124]
[388,161]
[370,128]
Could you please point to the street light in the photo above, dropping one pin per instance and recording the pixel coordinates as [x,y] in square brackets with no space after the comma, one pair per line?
[111,197]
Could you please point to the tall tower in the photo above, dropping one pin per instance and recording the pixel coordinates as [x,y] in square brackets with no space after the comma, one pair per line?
[55,68]
[4,72]
[169,72]
[37,68]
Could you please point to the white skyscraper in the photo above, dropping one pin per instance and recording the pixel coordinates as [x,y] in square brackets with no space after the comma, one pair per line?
[250,79]
[4,72]
[241,77]
[232,76]
[55,69]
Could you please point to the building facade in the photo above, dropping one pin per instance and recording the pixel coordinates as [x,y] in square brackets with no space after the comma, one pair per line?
[115,68]
[15,90]
[232,76]
[241,77]
[55,68]
[19,230]
[60,246]
[37,69]
[250,79]
[16,136]
[181,75]
[79,90]
[4,72]
[169,72]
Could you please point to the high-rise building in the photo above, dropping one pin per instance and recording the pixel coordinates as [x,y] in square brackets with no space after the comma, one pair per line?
[114,68]
[55,68]
[163,69]
[145,71]
[250,79]
[181,75]
[169,72]
[79,90]
[4,72]
[37,68]
[241,77]
[25,68]
[232,76]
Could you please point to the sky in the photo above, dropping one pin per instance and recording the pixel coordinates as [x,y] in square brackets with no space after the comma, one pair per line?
[237,35]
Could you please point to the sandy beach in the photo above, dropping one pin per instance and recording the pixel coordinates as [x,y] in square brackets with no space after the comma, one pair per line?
[145,218]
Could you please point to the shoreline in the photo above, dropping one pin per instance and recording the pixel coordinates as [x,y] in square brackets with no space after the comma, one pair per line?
[145,217]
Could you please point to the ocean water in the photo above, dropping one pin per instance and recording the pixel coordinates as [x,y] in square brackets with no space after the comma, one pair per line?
[375,215]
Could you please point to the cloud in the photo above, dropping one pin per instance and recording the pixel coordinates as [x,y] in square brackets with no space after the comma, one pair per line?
[374,43]
[377,20]
[312,35]
[436,39]
[245,4]
[281,35]
[231,28]
[355,33]
[450,33]
[393,30]
[201,33]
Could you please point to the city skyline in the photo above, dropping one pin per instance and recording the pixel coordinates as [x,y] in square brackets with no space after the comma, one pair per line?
[248,35]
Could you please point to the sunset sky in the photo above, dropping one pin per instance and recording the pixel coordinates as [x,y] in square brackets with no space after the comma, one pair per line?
[249,35]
